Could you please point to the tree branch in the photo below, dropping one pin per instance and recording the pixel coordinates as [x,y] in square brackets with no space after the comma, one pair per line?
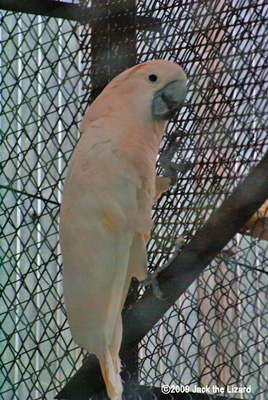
[55,9]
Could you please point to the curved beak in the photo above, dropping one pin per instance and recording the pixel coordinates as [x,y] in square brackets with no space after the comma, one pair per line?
[168,100]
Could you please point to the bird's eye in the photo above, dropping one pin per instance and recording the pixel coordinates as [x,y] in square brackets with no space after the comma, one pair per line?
[152,78]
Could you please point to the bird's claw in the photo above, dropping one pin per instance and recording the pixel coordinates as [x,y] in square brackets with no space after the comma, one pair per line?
[152,281]
[173,168]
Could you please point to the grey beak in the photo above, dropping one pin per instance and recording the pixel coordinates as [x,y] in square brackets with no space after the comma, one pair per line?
[168,100]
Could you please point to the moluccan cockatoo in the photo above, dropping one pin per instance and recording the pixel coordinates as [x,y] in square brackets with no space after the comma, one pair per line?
[105,217]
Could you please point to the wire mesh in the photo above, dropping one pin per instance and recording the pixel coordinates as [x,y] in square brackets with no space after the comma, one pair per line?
[41,98]
[216,334]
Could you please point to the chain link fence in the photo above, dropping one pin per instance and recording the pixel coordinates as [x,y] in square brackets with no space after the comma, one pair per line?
[51,68]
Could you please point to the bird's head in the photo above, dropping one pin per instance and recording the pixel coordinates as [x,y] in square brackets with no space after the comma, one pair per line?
[149,93]
[157,85]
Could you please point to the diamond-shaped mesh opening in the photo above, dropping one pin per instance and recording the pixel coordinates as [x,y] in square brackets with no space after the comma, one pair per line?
[216,333]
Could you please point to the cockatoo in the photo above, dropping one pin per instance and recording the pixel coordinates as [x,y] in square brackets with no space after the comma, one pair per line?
[105,217]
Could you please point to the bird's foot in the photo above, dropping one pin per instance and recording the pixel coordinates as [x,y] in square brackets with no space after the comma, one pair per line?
[152,281]
[173,168]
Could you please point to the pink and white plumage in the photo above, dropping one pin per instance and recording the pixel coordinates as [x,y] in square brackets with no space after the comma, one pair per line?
[105,218]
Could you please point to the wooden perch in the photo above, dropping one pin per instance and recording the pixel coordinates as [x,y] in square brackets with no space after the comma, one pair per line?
[50,8]
[181,271]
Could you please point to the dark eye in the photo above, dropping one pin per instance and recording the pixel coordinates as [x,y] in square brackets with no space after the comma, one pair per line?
[153,77]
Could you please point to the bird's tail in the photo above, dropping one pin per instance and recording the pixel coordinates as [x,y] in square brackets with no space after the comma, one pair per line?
[110,368]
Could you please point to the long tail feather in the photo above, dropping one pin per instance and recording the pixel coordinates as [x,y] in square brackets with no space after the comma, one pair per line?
[111,367]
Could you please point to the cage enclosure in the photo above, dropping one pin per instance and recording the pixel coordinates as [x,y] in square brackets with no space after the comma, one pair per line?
[56,57]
